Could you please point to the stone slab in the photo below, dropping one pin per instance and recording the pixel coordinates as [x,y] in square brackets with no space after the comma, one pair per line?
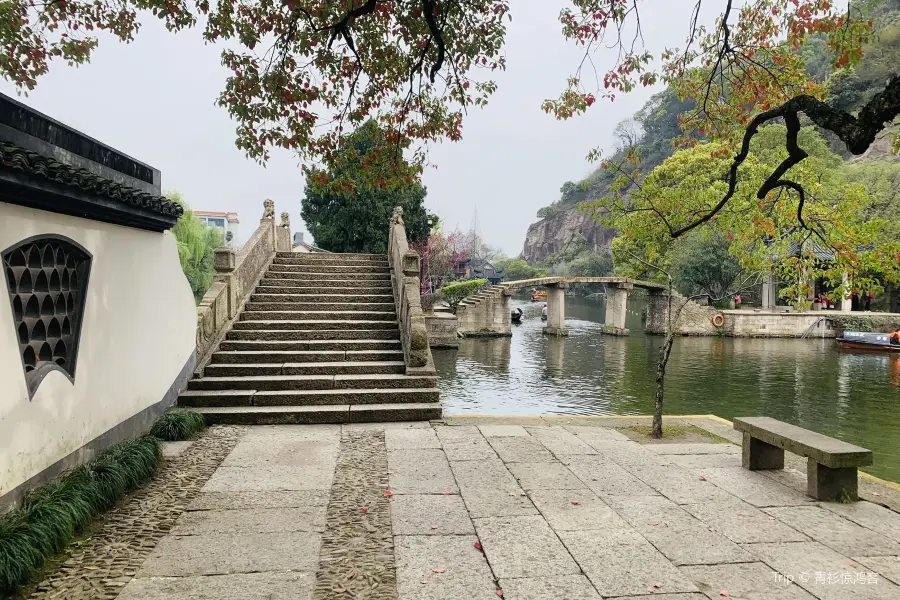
[320,432]
[173,449]
[523,547]
[544,476]
[221,554]
[269,478]
[824,450]
[680,485]
[679,536]
[606,478]
[705,461]
[502,430]
[269,499]
[282,451]
[809,564]
[402,439]
[466,573]
[560,510]
[490,490]
[743,523]
[753,487]
[628,453]
[886,566]
[559,441]
[692,596]
[430,515]
[748,581]
[420,471]
[868,514]
[249,586]
[457,433]
[512,449]
[835,531]
[566,587]
[250,520]
[710,448]
[589,434]
[620,562]
[475,449]
[385,426]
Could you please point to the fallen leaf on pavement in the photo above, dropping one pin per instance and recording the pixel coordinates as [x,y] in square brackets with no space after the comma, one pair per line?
[703,478]
[478,546]
[576,502]
[388,493]
[725,593]
[439,569]
[434,526]
[500,593]
[653,523]
[363,509]
[339,590]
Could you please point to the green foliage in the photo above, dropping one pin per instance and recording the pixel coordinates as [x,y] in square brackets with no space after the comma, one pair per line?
[515,269]
[454,293]
[51,516]
[197,245]
[344,212]
[703,263]
[592,264]
[177,425]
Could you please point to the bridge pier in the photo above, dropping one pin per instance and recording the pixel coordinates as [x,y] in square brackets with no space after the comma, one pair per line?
[556,308]
[616,308]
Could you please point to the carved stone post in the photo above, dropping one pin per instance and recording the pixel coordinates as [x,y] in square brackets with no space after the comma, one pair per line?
[223,263]
[616,308]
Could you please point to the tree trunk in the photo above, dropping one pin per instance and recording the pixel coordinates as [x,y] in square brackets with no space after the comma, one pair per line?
[661,363]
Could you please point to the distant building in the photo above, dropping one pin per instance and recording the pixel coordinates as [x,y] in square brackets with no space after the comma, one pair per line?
[465,268]
[301,246]
[226,222]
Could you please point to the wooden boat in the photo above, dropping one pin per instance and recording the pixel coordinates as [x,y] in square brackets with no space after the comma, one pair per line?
[539,296]
[861,340]
[517,315]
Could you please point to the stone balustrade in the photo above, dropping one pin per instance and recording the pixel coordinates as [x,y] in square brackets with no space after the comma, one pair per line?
[404,263]
[237,275]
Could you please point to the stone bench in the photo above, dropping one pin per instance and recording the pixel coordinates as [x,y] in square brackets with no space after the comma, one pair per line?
[831,464]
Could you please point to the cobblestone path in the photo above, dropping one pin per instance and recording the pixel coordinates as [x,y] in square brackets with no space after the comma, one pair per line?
[101,566]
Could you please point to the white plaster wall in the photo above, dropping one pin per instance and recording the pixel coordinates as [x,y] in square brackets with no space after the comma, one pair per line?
[137,333]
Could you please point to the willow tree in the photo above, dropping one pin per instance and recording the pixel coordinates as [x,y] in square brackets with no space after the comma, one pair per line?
[197,245]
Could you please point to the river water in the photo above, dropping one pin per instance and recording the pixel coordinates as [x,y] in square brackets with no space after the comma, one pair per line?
[810,383]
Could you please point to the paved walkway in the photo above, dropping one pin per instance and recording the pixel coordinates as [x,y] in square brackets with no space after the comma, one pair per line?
[428,511]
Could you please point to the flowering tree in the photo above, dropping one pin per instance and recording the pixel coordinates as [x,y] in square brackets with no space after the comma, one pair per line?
[305,73]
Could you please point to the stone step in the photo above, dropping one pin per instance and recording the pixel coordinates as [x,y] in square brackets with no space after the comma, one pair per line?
[194,398]
[331,255]
[348,345]
[331,269]
[360,367]
[311,382]
[310,325]
[244,357]
[318,315]
[349,262]
[288,305]
[313,334]
[350,296]
[336,413]
[347,286]
[336,278]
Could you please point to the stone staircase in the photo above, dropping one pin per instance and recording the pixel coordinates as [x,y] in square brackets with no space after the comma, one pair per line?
[317,342]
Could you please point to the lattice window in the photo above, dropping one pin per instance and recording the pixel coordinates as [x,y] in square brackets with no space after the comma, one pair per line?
[47,278]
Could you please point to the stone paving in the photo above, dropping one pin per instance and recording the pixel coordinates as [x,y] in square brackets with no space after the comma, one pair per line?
[540,511]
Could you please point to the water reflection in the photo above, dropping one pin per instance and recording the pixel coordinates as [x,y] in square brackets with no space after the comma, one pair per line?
[855,397]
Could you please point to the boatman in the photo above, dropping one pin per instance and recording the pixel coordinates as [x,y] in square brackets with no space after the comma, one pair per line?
[895,337]
[544,311]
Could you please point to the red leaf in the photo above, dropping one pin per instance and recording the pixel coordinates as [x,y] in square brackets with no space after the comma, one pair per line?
[576,502]
[439,569]
[363,509]
[447,493]
[653,523]
[703,478]
[478,546]
[500,593]
[388,493]
[338,590]
[657,585]
[725,593]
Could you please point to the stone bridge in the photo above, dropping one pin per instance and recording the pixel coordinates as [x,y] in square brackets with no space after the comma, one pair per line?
[487,313]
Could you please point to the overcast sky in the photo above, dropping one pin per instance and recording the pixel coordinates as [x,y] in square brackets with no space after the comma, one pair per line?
[155,100]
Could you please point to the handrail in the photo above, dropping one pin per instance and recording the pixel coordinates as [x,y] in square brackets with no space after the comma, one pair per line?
[237,275]
[404,264]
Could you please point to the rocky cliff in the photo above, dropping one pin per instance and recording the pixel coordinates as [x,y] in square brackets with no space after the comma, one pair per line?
[554,234]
